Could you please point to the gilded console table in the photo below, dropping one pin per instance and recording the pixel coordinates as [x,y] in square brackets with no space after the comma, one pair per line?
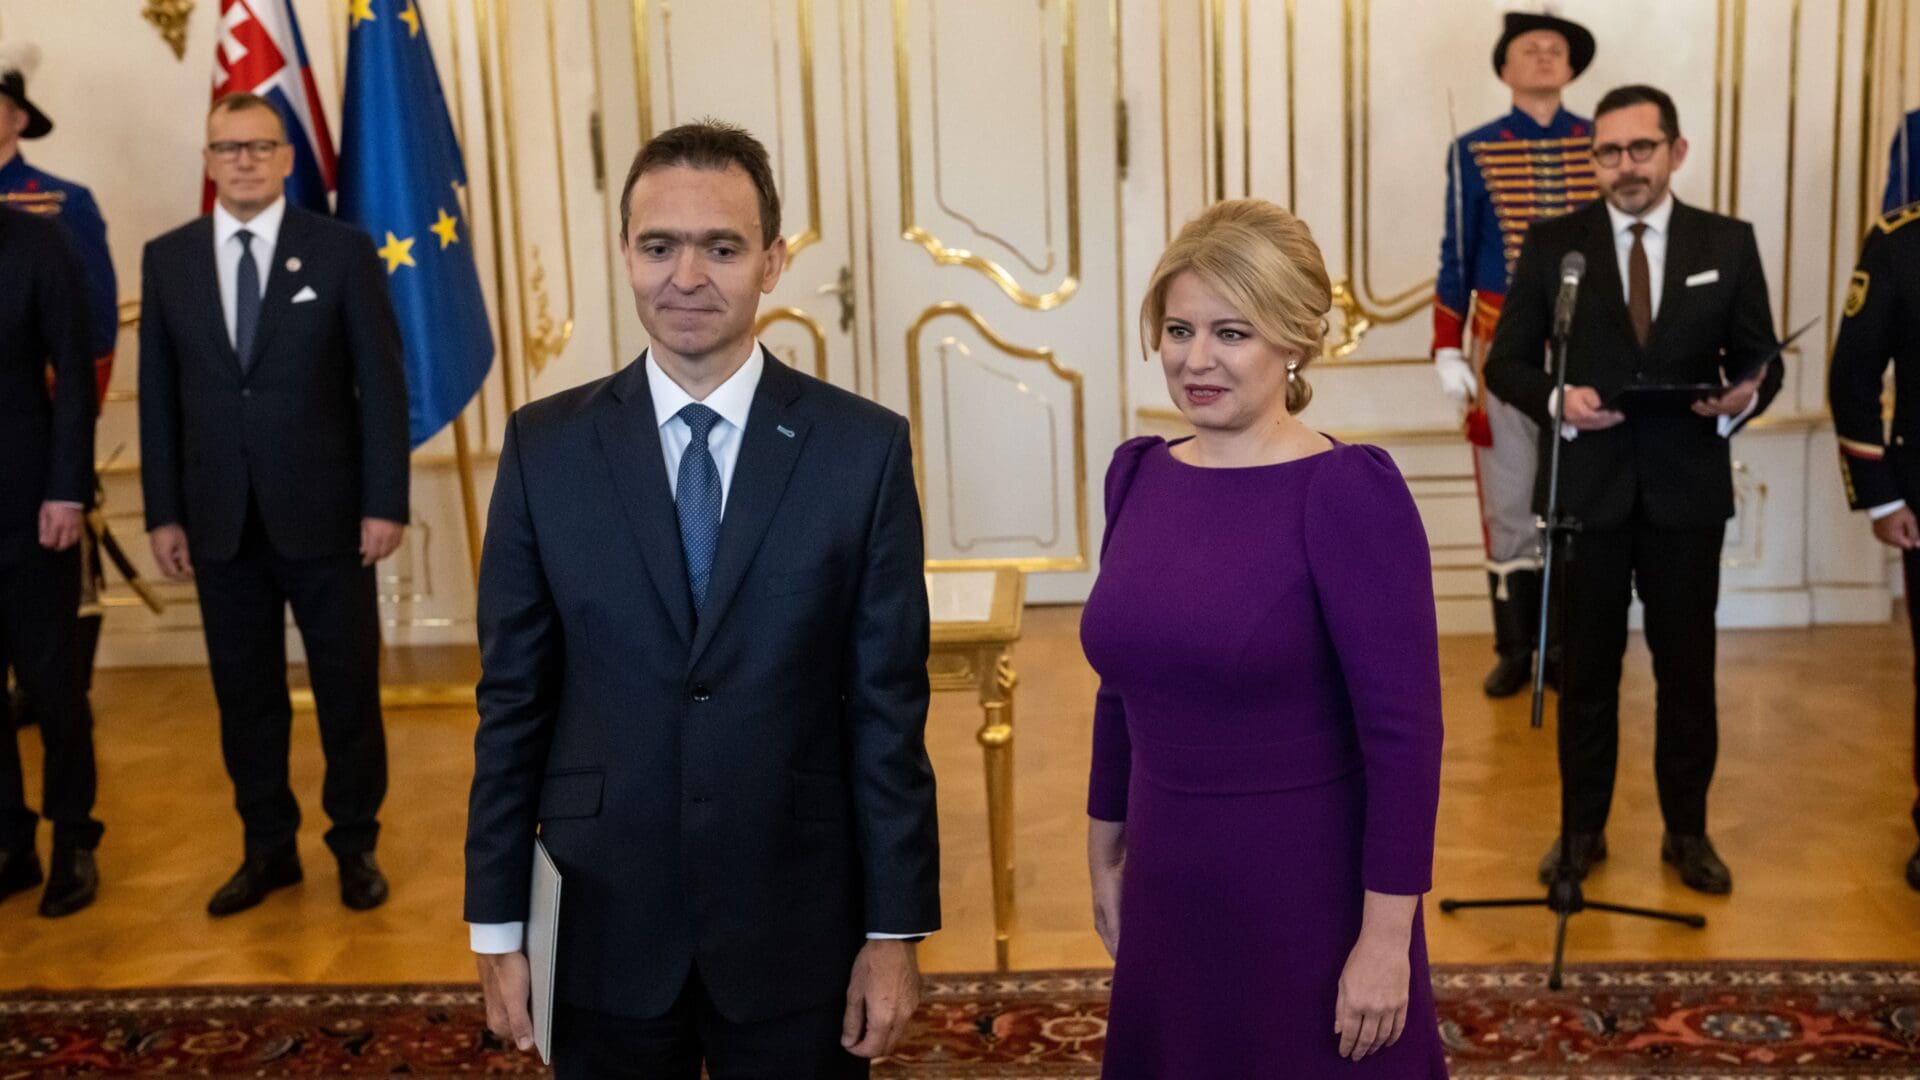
[976,620]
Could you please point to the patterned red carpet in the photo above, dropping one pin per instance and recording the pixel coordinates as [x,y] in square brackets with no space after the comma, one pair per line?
[1622,1021]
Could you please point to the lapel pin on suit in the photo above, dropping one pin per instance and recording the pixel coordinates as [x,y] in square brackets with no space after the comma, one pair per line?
[293,264]
[784,430]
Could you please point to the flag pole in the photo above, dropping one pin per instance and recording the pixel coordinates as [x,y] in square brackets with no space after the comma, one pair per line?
[384,200]
[469,503]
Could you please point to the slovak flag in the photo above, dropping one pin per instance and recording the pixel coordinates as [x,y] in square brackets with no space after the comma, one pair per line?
[259,51]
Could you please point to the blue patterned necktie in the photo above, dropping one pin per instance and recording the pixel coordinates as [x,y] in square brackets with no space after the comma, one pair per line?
[697,498]
[246,300]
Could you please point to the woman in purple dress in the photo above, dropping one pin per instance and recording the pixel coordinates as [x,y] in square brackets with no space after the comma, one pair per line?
[1266,755]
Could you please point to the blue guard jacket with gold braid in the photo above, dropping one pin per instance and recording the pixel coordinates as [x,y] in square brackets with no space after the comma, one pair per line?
[1512,172]
[1880,465]
[24,187]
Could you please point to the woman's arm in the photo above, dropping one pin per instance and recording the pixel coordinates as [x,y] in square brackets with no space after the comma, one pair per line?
[1371,1011]
[1106,860]
[1372,572]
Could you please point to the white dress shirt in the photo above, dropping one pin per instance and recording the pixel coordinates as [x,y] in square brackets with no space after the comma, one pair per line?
[733,400]
[265,227]
[1654,242]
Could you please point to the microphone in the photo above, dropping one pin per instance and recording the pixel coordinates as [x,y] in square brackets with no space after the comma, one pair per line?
[1572,268]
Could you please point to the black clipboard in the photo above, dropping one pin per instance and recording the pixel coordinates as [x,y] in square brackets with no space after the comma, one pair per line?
[1676,399]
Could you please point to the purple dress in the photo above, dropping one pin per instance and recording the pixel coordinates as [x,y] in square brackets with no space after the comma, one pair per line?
[1268,726]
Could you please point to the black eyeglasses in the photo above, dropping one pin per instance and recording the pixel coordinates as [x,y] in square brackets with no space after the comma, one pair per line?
[1640,150]
[257,149]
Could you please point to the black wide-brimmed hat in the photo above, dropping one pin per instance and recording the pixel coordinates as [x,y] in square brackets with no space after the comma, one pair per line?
[17,61]
[1579,39]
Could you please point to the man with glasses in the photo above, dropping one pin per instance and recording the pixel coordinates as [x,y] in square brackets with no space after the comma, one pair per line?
[1881,468]
[1672,295]
[1530,164]
[273,439]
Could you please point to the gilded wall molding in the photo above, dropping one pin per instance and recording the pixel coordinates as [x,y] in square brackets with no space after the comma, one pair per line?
[943,254]
[542,337]
[816,333]
[1077,390]
[169,19]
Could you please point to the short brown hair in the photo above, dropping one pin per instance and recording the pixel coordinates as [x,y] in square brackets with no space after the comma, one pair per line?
[1263,262]
[1626,97]
[708,144]
[240,100]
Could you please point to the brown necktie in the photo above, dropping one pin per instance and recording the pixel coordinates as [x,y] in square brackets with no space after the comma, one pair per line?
[1639,287]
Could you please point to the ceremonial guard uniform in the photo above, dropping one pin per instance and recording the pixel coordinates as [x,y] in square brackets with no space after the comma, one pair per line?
[1881,466]
[37,191]
[1502,177]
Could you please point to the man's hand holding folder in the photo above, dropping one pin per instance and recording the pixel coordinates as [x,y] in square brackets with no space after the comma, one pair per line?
[1734,400]
[507,981]
[1583,411]
[518,985]
[1731,399]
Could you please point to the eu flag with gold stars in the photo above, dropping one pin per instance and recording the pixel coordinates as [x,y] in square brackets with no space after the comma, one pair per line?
[401,178]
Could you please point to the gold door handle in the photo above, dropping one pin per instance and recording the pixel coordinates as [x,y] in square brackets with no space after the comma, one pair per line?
[843,288]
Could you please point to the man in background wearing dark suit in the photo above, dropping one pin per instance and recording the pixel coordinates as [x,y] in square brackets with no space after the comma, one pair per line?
[273,440]
[703,629]
[46,484]
[1672,295]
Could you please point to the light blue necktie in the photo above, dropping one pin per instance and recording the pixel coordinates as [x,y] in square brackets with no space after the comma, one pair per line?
[697,498]
[246,301]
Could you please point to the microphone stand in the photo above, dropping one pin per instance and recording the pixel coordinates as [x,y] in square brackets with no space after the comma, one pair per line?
[1557,531]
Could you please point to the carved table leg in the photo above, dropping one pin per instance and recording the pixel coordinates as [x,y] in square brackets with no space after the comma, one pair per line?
[996,745]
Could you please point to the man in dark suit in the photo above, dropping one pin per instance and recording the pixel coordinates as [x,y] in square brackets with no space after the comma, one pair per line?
[46,484]
[273,440]
[37,191]
[1672,295]
[1881,468]
[704,633]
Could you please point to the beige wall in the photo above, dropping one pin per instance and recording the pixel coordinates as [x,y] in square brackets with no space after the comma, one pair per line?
[1337,107]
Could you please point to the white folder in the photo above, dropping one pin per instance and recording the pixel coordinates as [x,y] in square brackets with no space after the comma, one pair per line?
[543,937]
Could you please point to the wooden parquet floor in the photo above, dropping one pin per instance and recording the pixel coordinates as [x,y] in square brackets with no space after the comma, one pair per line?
[1809,809]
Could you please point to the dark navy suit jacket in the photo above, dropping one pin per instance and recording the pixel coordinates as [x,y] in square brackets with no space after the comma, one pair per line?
[749,792]
[313,429]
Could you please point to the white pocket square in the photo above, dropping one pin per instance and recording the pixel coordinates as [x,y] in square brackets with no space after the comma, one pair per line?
[306,293]
[1704,277]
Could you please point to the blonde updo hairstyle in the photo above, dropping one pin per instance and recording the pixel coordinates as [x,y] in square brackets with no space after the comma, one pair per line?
[1263,262]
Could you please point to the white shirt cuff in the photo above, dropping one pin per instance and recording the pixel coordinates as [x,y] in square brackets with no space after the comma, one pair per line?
[1875,513]
[69,503]
[496,938]
[1728,423]
[1567,431]
[894,937]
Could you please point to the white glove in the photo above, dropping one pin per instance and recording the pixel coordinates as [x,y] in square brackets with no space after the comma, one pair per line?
[1456,375]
